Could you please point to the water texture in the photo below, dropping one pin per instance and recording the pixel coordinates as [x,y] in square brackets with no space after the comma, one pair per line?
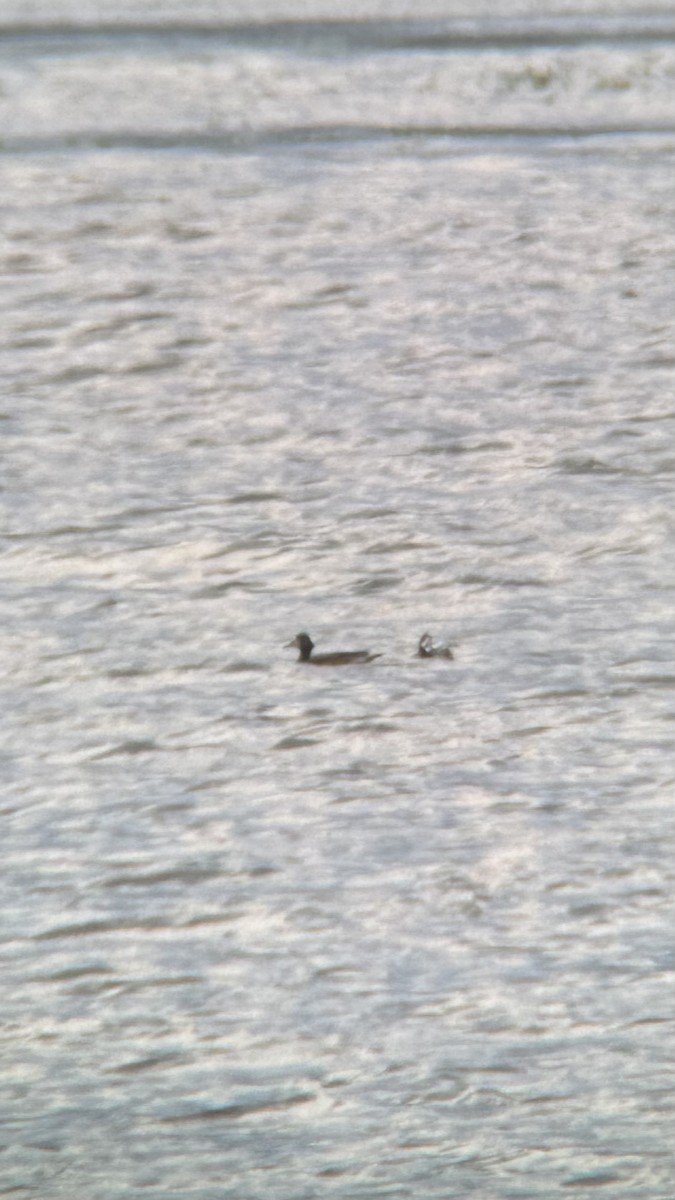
[364,329]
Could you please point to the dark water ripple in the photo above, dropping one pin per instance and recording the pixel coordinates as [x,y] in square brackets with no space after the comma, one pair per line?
[259,140]
[345,35]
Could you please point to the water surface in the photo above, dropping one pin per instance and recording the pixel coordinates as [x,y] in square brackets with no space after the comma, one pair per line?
[365,330]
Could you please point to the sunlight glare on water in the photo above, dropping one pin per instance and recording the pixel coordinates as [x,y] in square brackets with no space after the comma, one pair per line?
[365,331]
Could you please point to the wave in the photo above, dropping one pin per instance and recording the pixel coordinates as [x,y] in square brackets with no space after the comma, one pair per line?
[370,35]
[233,142]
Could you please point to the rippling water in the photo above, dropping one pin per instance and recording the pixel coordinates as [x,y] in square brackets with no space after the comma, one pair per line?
[364,329]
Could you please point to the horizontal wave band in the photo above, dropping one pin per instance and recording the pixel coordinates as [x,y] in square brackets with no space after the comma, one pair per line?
[369,35]
[245,141]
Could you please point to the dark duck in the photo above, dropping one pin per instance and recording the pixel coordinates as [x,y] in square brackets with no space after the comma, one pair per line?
[336,658]
[426,648]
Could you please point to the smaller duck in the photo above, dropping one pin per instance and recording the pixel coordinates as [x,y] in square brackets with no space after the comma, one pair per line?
[426,648]
[338,658]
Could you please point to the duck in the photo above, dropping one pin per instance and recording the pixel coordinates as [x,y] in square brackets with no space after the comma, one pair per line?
[426,648]
[336,658]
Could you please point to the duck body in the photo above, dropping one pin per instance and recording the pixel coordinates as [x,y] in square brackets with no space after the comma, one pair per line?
[426,648]
[337,658]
